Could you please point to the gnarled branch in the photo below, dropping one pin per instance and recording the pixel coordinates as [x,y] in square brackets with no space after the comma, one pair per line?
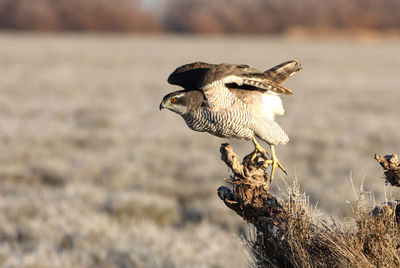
[391,168]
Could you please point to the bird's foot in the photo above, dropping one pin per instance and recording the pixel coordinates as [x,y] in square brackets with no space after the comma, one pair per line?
[260,151]
[257,151]
[275,163]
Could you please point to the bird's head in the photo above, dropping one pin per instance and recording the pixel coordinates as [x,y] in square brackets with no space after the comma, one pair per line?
[182,102]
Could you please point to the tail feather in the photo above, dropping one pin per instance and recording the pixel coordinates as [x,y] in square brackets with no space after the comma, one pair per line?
[283,71]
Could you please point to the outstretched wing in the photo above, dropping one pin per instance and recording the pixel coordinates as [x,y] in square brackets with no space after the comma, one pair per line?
[283,71]
[189,75]
[243,76]
[216,80]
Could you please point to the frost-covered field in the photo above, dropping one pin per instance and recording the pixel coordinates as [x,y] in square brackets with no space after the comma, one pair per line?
[93,174]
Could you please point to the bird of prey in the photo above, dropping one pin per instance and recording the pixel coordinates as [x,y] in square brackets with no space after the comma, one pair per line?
[233,101]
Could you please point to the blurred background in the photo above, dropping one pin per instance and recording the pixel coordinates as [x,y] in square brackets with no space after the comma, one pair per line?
[92,174]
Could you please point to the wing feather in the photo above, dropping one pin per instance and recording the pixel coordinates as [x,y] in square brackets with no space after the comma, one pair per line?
[203,76]
[283,71]
[243,76]
[265,84]
[189,75]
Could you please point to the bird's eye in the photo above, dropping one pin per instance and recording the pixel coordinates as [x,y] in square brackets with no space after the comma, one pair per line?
[173,100]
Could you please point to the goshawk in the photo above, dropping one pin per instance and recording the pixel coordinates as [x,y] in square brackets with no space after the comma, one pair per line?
[233,101]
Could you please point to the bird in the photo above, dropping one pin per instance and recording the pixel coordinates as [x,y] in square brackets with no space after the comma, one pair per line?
[233,101]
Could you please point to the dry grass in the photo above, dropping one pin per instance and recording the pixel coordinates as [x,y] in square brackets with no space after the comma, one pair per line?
[309,241]
[92,174]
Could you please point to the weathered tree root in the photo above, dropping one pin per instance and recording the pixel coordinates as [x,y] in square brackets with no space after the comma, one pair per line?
[287,233]
[391,168]
[274,219]
[250,198]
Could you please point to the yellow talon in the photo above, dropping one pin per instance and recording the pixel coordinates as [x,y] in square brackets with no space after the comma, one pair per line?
[257,149]
[275,163]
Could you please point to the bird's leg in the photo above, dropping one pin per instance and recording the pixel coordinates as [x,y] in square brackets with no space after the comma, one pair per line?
[274,162]
[257,149]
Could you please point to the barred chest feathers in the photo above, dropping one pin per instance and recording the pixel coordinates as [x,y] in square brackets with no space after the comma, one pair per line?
[223,123]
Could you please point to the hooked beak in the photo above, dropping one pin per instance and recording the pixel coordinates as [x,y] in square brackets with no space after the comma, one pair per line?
[162,105]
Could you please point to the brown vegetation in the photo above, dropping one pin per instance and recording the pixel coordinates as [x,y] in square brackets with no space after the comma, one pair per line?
[289,234]
[201,16]
[76,15]
[259,16]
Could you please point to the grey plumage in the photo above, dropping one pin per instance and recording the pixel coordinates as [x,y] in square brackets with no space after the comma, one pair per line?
[231,101]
